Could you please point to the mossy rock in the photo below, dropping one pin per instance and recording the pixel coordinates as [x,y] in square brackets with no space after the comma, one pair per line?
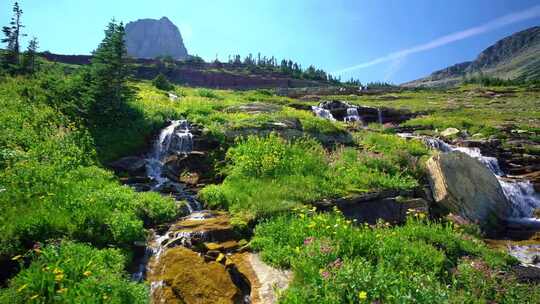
[187,278]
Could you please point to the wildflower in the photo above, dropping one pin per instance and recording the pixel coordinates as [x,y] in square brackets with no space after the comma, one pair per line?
[362,295]
[62,290]
[87,273]
[17,257]
[311,225]
[309,240]
[59,277]
[34,296]
[22,288]
[297,249]
[58,271]
[325,274]
[337,263]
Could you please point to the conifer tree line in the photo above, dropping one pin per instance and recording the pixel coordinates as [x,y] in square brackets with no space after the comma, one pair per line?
[285,66]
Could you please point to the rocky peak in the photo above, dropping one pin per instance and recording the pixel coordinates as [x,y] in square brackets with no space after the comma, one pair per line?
[151,38]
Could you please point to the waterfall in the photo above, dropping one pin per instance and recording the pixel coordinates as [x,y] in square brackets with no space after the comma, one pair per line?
[322,113]
[352,115]
[174,139]
[379,116]
[521,194]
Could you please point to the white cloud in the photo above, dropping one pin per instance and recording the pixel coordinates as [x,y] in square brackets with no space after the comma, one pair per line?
[529,13]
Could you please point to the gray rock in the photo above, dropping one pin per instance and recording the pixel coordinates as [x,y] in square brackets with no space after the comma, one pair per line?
[466,187]
[132,165]
[150,38]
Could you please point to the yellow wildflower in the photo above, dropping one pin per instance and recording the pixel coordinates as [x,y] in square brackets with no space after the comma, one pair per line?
[57,271]
[297,249]
[87,273]
[17,257]
[58,277]
[22,288]
[362,295]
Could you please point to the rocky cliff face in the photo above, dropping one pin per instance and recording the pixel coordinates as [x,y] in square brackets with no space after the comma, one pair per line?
[513,57]
[150,38]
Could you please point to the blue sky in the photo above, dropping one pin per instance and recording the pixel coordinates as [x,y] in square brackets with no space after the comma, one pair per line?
[337,35]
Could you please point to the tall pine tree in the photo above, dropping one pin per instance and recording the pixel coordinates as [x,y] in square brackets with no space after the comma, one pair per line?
[110,72]
[12,35]
[29,63]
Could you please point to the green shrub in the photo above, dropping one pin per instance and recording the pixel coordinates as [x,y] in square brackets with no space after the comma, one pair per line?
[161,82]
[335,261]
[74,273]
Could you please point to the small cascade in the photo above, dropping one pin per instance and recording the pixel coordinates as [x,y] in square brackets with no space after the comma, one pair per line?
[322,113]
[174,139]
[523,196]
[379,116]
[352,115]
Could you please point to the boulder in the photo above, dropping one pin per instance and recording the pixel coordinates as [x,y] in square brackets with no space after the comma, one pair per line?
[449,132]
[133,165]
[464,186]
[265,281]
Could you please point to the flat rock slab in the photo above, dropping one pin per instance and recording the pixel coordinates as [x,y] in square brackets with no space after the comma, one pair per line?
[266,282]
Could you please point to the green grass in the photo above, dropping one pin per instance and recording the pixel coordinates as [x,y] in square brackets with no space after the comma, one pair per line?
[74,273]
[266,175]
[335,261]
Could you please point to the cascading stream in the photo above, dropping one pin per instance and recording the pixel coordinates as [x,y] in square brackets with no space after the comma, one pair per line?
[322,113]
[175,139]
[521,194]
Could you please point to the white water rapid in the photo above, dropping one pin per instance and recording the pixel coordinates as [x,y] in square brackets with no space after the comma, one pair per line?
[322,113]
[352,115]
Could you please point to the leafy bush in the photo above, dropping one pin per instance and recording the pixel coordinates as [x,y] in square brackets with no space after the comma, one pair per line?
[335,261]
[161,82]
[74,273]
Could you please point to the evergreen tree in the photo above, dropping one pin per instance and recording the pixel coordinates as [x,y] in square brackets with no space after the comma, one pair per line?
[161,82]
[12,35]
[29,59]
[110,72]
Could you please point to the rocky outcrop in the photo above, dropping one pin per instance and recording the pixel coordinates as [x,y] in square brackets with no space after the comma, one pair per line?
[466,187]
[150,38]
[367,114]
[389,206]
[132,165]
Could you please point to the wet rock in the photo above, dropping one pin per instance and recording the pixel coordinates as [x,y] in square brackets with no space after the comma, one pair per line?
[466,187]
[265,282]
[528,274]
[215,228]
[131,165]
[177,166]
[187,278]
[371,207]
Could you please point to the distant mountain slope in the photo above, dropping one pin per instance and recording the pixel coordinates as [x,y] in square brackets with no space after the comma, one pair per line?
[514,57]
